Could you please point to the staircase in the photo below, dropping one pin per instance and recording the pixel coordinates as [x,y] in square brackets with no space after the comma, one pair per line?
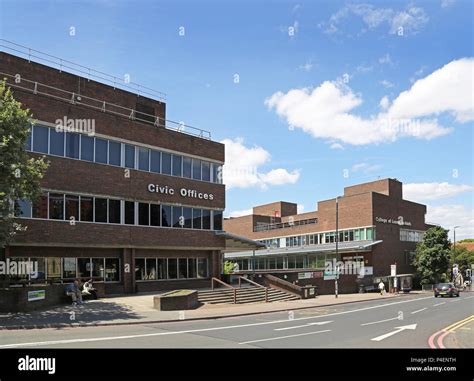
[250,294]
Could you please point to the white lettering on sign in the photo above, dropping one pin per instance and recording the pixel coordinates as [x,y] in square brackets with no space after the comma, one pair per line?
[184,192]
[397,221]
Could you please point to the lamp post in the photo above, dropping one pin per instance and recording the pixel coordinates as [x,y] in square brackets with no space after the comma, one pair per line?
[454,229]
[337,247]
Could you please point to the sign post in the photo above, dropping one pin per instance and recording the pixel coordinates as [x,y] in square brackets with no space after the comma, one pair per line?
[393,273]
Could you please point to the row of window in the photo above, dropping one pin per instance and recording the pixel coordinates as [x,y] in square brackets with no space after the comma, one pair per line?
[310,261]
[411,235]
[83,147]
[59,206]
[170,268]
[361,234]
[56,268]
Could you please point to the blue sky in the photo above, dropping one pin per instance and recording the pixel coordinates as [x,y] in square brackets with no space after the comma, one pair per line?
[303,119]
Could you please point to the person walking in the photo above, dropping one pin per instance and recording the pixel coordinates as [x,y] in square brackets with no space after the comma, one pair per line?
[382,288]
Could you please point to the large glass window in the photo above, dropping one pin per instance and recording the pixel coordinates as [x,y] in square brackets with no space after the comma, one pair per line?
[98,270]
[87,148]
[53,266]
[114,211]
[40,139]
[56,142]
[166,163]
[187,167]
[129,156]
[197,219]
[101,148]
[206,171]
[115,153]
[84,267]
[183,267]
[87,209]
[39,271]
[129,212]
[100,209]
[40,207]
[299,262]
[202,268]
[370,233]
[217,220]
[206,219]
[188,218]
[165,215]
[144,159]
[112,269]
[162,268]
[72,145]
[72,207]
[178,220]
[143,214]
[56,206]
[69,268]
[155,161]
[155,215]
[24,208]
[177,165]
[151,269]
[192,268]
[172,268]
[362,234]
[217,173]
[196,169]
[139,269]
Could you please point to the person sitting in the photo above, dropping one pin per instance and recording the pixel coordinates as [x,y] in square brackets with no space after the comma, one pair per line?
[88,289]
[74,291]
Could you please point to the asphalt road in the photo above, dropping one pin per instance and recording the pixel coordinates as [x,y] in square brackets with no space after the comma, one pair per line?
[405,322]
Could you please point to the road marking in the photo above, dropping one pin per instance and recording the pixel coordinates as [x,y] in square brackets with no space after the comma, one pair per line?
[397,330]
[439,304]
[469,297]
[305,325]
[380,321]
[285,337]
[455,300]
[108,338]
[415,312]
[449,329]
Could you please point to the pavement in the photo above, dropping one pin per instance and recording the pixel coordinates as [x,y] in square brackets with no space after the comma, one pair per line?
[138,309]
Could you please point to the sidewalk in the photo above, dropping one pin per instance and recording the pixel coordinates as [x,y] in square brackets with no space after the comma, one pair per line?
[138,309]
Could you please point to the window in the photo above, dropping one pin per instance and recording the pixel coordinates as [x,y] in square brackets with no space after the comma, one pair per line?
[129,156]
[56,142]
[56,206]
[299,262]
[115,153]
[206,171]
[362,234]
[144,159]
[150,269]
[177,165]
[202,268]
[143,214]
[279,263]
[166,163]
[101,148]
[217,220]
[187,163]
[129,212]
[183,268]
[112,269]
[40,139]
[206,219]
[155,161]
[178,220]
[196,169]
[172,268]
[188,218]
[351,235]
[356,235]
[53,266]
[346,235]
[84,267]
[100,209]
[140,269]
[72,207]
[162,268]
[217,173]
[98,270]
[155,215]
[86,209]
[69,268]
[165,215]
[40,272]
[87,148]
[197,219]
[114,211]
[192,270]
[72,145]
[24,208]
[370,233]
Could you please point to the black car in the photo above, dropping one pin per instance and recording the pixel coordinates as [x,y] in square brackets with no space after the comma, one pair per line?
[445,289]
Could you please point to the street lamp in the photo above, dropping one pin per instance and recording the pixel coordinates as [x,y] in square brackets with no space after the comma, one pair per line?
[337,247]
[454,229]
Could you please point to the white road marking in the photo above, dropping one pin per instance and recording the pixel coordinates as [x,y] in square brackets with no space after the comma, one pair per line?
[439,304]
[285,337]
[469,297]
[397,330]
[380,321]
[304,325]
[415,312]
[108,338]
[455,300]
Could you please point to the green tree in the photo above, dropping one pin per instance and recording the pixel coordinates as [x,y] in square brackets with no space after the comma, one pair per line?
[20,174]
[432,256]
[463,257]
[228,267]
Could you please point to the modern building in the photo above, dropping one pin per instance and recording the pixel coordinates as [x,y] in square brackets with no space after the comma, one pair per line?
[374,224]
[130,199]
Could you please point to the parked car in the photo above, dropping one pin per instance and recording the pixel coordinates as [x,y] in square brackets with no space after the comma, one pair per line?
[445,289]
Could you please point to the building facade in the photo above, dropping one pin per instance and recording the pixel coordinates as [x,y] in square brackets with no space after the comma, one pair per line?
[374,225]
[129,199]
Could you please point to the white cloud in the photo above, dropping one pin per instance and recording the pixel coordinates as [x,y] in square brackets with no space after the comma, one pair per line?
[365,167]
[241,169]
[384,103]
[300,208]
[307,66]
[433,191]
[411,21]
[449,216]
[326,111]
[386,84]
[240,213]
[336,146]
[447,3]
[386,59]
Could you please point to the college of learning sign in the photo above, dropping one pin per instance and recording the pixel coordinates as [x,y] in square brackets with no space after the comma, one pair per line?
[397,221]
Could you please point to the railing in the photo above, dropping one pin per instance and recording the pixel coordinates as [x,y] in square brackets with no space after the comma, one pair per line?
[255,284]
[281,225]
[103,106]
[284,285]
[234,290]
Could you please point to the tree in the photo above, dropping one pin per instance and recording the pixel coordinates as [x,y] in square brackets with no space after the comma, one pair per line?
[20,175]
[463,257]
[228,267]
[432,256]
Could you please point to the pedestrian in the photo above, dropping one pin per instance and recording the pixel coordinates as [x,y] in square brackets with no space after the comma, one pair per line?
[74,290]
[382,288]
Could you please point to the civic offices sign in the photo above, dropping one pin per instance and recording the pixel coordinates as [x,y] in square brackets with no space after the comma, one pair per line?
[397,221]
[183,192]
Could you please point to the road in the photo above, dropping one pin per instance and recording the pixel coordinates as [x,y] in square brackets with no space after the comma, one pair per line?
[405,322]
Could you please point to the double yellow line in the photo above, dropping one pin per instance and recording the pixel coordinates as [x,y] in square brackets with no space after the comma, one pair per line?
[455,326]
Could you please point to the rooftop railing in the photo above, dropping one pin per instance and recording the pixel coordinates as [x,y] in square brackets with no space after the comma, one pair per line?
[281,225]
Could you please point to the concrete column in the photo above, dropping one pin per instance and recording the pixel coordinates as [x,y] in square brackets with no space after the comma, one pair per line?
[216,264]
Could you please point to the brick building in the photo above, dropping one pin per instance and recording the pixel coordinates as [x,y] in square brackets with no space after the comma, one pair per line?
[130,199]
[375,225]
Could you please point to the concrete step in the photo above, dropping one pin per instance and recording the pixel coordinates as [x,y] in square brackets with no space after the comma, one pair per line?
[251,294]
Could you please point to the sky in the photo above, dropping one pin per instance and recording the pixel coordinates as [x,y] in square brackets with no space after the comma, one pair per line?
[308,96]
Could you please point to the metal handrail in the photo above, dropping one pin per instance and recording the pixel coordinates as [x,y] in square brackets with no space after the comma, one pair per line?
[256,284]
[213,279]
[104,106]
[65,64]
